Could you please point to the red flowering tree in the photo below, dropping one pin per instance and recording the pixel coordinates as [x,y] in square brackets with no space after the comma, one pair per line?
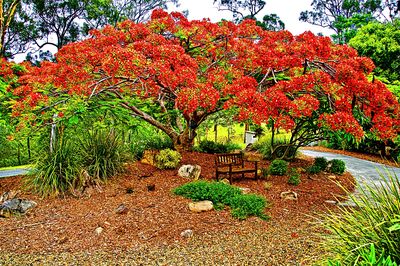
[173,73]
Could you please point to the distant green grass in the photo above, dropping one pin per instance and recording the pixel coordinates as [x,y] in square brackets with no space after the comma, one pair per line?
[236,136]
[16,167]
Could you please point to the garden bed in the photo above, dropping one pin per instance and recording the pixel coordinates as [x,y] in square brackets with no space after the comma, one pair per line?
[151,229]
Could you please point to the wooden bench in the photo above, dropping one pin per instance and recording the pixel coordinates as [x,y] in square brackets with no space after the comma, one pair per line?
[233,163]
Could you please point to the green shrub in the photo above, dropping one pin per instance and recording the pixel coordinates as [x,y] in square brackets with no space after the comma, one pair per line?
[222,194]
[337,166]
[321,162]
[103,153]
[314,169]
[209,146]
[247,205]
[294,178]
[217,192]
[376,220]
[149,140]
[278,167]
[54,172]
[168,159]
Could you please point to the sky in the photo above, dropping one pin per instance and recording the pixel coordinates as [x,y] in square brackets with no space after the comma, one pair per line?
[287,10]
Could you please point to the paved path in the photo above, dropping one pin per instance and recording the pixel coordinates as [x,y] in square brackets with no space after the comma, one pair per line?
[13,172]
[365,172]
[362,170]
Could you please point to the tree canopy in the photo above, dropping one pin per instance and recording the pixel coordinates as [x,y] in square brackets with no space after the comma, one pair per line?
[249,9]
[173,73]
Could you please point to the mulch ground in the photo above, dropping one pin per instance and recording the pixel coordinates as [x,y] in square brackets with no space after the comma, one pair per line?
[62,230]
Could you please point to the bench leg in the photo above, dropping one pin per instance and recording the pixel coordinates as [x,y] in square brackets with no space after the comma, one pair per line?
[230,178]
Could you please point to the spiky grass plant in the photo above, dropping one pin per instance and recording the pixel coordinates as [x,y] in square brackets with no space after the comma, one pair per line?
[103,153]
[375,220]
[54,171]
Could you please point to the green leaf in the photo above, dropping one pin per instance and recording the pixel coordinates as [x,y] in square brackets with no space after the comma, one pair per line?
[394,227]
[73,120]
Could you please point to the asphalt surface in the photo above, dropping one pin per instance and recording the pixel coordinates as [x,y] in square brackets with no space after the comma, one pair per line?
[13,172]
[362,170]
[365,172]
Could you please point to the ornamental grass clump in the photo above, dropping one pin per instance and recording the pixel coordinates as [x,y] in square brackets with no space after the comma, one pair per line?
[54,172]
[103,154]
[221,194]
[375,220]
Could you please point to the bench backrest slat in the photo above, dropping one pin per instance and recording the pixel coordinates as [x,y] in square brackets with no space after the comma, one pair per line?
[229,159]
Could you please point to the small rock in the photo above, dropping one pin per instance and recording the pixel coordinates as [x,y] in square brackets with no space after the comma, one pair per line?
[333,202]
[289,195]
[9,195]
[121,209]
[190,171]
[225,181]
[16,207]
[151,187]
[201,206]
[98,230]
[187,233]
[245,190]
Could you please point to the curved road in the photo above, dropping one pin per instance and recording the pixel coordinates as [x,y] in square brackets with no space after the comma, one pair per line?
[365,172]
[362,170]
[13,172]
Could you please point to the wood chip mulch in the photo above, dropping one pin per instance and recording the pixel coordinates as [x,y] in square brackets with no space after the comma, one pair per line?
[62,230]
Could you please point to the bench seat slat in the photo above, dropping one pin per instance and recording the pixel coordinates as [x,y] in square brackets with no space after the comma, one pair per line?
[232,163]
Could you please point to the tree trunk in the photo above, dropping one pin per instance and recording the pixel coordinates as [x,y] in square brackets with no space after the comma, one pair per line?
[215,132]
[184,141]
[246,128]
[28,144]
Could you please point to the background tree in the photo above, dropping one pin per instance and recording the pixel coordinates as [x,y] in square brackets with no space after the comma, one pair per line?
[241,9]
[40,24]
[271,22]
[346,16]
[110,12]
[174,73]
[7,13]
[249,9]
[381,43]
